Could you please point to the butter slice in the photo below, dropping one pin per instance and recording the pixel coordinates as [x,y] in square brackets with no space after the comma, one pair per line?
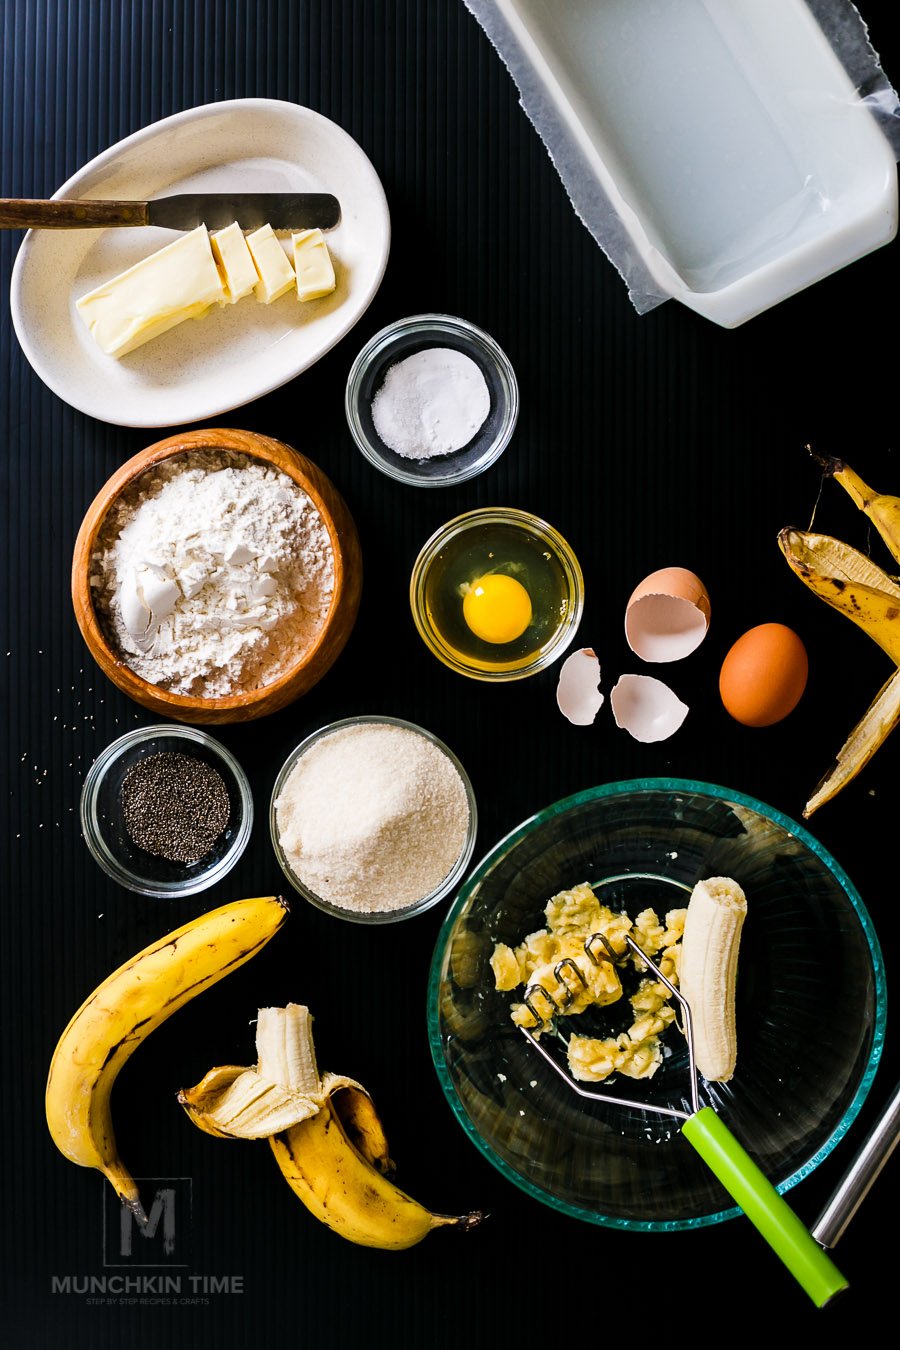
[235,263]
[275,272]
[178,282]
[313,265]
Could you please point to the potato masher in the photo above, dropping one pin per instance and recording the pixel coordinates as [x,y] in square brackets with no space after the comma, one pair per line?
[701,1126]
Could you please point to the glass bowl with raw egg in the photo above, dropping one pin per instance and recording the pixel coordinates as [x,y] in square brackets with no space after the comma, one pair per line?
[497,594]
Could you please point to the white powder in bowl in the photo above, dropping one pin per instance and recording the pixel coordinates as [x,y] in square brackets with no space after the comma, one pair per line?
[372,817]
[213,574]
[431,403]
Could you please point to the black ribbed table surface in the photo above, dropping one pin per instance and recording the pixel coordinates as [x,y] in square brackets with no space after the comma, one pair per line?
[646,441]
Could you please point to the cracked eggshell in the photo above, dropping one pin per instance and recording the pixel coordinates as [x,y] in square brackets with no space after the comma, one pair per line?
[577,692]
[646,708]
[667,616]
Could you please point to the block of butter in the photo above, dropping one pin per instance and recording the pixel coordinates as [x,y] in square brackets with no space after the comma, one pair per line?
[276,275]
[178,282]
[235,263]
[313,265]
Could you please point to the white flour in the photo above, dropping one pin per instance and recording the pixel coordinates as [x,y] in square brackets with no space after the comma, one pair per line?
[213,574]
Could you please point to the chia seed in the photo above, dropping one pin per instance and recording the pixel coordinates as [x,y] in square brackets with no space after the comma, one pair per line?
[174,806]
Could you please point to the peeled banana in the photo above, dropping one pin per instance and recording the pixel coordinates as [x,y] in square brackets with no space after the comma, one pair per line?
[708,972]
[861,590]
[324,1132]
[125,1008]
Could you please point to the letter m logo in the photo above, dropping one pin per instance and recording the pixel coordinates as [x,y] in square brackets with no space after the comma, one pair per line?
[160,1237]
[161,1211]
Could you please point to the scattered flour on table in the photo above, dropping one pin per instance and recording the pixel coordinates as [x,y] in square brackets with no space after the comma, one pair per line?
[372,817]
[213,574]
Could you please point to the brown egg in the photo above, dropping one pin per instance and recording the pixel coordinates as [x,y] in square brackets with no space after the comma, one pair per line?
[764,675]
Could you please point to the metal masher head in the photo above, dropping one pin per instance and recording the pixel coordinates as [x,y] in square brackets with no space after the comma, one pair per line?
[598,949]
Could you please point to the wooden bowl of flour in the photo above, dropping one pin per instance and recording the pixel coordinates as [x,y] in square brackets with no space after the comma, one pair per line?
[312,661]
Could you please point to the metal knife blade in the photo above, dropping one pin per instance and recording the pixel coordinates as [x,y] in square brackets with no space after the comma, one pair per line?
[215,210]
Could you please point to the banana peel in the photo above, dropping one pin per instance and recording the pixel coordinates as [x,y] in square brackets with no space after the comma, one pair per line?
[284,1087]
[863,592]
[231,1102]
[865,738]
[362,1125]
[849,582]
[223,1105]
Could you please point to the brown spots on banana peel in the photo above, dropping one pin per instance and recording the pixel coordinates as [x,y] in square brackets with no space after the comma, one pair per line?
[852,583]
[124,1009]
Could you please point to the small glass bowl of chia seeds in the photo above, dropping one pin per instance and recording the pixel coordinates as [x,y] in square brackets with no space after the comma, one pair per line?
[166,810]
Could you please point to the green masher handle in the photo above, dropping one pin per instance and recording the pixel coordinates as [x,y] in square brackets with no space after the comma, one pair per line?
[764,1207]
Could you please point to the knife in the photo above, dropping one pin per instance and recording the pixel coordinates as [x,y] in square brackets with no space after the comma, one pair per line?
[185,211]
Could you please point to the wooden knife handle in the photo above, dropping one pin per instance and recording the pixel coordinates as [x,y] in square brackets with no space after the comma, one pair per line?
[19,213]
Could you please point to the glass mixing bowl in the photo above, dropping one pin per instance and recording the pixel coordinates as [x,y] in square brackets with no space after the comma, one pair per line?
[810,1004]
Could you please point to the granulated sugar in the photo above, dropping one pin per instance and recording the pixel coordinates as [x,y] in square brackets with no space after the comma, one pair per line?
[213,574]
[373,817]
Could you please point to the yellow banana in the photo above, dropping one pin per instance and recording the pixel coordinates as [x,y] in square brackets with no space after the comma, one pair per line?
[324,1131]
[848,581]
[342,1189]
[884,512]
[122,1012]
[708,972]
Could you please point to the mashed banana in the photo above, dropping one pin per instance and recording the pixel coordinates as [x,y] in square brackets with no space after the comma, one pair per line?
[572,917]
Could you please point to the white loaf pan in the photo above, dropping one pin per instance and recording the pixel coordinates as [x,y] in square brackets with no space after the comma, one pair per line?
[728,139]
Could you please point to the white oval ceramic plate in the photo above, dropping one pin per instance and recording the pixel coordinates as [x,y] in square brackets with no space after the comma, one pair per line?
[234,354]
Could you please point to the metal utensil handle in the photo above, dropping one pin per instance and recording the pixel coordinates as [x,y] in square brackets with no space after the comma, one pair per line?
[860,1175]
[22,213]
[763,1206]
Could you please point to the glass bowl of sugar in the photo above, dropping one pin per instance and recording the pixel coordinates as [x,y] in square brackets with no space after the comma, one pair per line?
[373,819]
[432,400]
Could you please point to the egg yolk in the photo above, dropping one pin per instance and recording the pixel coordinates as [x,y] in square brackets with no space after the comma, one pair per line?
[497,608]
